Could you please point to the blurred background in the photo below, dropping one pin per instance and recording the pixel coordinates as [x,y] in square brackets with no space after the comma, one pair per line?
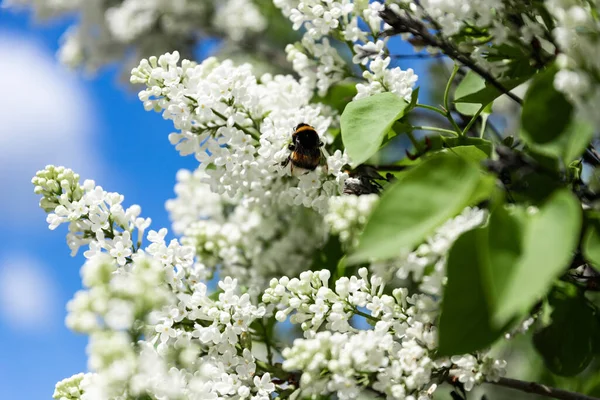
[94,124]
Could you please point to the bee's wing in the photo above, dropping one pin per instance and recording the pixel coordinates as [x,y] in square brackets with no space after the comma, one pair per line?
[324,155]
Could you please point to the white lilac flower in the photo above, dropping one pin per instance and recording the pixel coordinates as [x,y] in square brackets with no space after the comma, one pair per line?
[195,201]
[347,216]
[241,239]
[319,63]
[238,17]
[108,31]
[576,27]
[453,15]
[97,219]
[155,329]
[242,126]
[71,388]
[379,78]
[154,308]
[396,357]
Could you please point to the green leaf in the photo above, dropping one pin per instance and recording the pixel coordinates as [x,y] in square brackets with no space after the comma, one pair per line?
[473,92]
[338,96]
[484,189]
[567,344]
[414,97]
[465,319]
[328,256]
[366,122]
[526,253]
[546,115]
[497,273]
[591,242]
[472,153]
[502,249]
[570,144]
[441,142]
[410,209]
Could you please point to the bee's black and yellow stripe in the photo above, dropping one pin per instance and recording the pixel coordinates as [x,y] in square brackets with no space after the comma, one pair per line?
[308,159]
[304,128]
[307,152]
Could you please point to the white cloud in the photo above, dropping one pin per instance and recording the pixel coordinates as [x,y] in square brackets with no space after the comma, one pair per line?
[46,117]
[28,295]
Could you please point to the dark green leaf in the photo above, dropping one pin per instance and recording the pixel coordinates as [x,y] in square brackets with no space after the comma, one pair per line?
[338,95]
[329,256]
[472,153]
[341,268]
[502,249]
[465,319]
[567,344]
[497,273]
[484,189]
[570,144]
[414,97]
[546,112]
[521,273]
[413,207]
[591,242]
[366,122]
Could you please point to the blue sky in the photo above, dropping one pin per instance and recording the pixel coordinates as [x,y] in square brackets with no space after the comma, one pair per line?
[99,126]
[95,125]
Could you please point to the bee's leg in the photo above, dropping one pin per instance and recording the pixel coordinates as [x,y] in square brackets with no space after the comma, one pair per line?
[292,147]
[286,162]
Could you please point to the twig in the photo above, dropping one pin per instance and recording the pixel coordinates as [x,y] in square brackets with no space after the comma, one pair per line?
[591,156]
[542,390]
[267,342]
[413,56]
[447,100]
[434,129]
[388,167]
[406,24]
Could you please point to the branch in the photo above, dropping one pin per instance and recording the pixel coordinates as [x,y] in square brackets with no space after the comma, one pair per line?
[388,167]
[416,56]
[406,24]
[591,156]
[542,390]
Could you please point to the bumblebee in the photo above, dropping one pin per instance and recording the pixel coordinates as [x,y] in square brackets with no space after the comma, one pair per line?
[306,153]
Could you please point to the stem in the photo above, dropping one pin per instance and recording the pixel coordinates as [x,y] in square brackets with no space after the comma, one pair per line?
[449,84]
[447,102]
[351,48]
[255,135]
[414,141]
[434,129]
[417,56]
[542,390]
[366,316]
[388,167]
[267,342]
[472,121]
[484,120]
[591,156]
[431,108]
